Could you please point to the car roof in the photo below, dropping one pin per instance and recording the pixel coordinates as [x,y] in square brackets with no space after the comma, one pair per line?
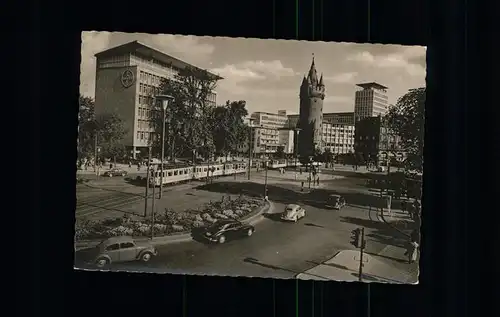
[119,239]
[292,206]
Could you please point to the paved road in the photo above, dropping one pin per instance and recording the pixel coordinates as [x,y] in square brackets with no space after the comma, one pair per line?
[277,249]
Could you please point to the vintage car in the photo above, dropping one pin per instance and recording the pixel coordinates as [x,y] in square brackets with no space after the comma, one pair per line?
[122,249]
[335,201]
[293,212]
[223,230]
[115,172]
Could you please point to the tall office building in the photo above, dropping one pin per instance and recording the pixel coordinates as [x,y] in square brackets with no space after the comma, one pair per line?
[127,77]
[371,101]
[267,136]
[312,94]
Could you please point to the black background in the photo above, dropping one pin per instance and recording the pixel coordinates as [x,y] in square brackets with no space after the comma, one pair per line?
[453,260]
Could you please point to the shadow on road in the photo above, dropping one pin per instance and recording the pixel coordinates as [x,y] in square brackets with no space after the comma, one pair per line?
[268,266]
[137,181]
[313,225]
[380,231]
[388,257]
[337,266]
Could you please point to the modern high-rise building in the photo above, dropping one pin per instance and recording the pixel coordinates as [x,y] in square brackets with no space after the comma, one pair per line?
[371,101]
[312,94]
[266,137]
[127,78]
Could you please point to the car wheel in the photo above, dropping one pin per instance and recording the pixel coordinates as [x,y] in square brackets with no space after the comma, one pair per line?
[110,175]
[222,239]
[146,256]
[102,262]
[250,232]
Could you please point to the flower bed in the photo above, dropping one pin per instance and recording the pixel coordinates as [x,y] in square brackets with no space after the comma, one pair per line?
[169,221]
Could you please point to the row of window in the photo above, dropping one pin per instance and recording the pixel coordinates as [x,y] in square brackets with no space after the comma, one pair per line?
[148,89]
[147,61]
[145,136]
[151,79]
[145,124]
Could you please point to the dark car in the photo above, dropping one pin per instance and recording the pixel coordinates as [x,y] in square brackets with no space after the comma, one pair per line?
[335,201]
[115,172]
[224,230]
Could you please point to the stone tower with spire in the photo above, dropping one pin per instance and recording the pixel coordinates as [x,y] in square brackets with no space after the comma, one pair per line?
[312,94]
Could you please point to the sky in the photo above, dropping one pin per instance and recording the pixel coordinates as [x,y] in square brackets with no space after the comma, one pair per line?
[267,73]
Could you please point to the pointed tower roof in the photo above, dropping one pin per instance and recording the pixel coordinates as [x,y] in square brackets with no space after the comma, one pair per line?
[321,80]
[313,75]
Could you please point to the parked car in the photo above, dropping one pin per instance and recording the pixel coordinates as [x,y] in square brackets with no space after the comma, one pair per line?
[115,172]
[293,212]
[122,249]
[335,201]
[224,230]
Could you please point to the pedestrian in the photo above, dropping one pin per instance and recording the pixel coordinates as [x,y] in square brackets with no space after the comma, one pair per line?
[412,251]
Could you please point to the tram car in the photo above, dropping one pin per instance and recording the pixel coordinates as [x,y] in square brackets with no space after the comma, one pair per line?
[176,174]
[275,164]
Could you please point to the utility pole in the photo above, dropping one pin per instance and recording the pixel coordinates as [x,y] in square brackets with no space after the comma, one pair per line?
[162,149]
[250,151]
[148,175]
[153,212]
[361,249]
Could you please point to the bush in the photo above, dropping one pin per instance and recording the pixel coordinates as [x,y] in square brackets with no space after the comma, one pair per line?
[177,228]
[198,224]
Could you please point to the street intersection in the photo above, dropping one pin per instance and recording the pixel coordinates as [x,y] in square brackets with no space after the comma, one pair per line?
[277,249]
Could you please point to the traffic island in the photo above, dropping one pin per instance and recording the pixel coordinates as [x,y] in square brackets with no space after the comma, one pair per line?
[171,226]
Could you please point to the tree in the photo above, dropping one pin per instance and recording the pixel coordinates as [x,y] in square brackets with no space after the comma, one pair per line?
[188,116]
[406,119]
[229,130]
[86,128]
[108,129]
[110,132]
[280,152]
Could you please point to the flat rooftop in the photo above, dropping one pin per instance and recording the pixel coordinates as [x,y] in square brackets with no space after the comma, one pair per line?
[371,85]
[147,51]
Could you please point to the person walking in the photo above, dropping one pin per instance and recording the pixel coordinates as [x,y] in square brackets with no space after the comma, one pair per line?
[412,251]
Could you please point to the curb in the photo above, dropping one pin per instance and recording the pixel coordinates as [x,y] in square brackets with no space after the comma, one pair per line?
[381,216]
[179,237]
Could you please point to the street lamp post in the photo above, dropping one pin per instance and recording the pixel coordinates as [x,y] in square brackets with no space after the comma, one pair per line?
[297,130]
[310,168]
[265,180]
[250,147]
[165,99]
[148,175]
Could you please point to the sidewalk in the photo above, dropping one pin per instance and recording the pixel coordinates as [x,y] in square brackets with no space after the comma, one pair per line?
[344,266]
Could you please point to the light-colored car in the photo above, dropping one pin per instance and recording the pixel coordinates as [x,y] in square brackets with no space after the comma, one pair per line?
[123,249]
[293,212]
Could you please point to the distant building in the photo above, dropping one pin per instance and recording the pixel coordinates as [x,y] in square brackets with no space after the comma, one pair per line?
[374,142]
[338,138]
[286,140]
[127,78]
[266,138]
[312,94]
[339,118]
[371,101]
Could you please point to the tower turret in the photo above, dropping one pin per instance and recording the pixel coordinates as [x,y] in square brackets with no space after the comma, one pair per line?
[312,94]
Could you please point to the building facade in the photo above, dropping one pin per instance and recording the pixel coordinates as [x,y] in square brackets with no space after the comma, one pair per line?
[375,143]
[371,101]
[127,78]
[287,140]
[338,138]
[312,94]
[266,138]
[339,118]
